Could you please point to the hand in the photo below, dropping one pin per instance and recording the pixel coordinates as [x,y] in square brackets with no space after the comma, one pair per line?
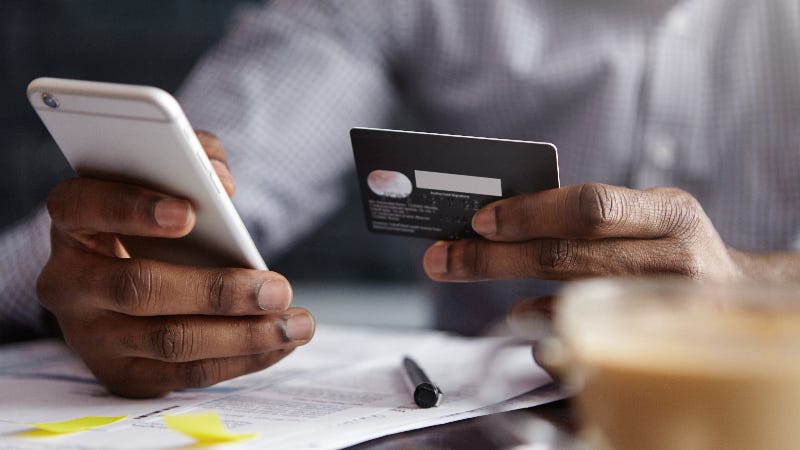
[587,230]
[146,327]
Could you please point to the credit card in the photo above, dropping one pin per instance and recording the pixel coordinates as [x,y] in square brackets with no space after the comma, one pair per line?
[430,185]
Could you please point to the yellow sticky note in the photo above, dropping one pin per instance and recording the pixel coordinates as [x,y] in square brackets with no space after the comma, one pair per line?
[72,426]
[206,428]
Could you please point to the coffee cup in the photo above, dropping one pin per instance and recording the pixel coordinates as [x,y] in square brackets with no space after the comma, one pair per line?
[667,364]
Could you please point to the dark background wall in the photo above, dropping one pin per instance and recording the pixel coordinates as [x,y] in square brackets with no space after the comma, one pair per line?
[153,42]
[143,41]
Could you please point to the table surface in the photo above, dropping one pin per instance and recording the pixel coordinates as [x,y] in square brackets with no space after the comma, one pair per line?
[550,426]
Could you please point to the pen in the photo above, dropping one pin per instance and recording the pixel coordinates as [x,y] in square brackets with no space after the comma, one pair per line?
[426,394]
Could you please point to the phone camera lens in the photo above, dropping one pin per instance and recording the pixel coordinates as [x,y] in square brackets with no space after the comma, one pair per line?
[49,100]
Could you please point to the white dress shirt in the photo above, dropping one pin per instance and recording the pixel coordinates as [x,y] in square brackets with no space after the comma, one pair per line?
[699,94]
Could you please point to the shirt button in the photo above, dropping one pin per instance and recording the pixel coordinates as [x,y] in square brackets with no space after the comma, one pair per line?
[662,151]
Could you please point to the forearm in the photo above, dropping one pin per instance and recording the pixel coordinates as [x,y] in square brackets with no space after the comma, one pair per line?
[25,248]
[773,266]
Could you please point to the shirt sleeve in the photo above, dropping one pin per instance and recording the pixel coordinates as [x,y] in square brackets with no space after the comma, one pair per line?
[282,91]
[25,248]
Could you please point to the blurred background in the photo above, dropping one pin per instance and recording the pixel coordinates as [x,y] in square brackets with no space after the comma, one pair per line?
[342,273]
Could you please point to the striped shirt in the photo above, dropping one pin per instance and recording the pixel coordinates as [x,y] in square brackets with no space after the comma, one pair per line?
[699,94]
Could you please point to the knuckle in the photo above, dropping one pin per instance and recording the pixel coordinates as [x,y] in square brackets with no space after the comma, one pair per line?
[465,259]
[202,373]
[692,271]
[554,257]
[131,205]
[220,289]
[134,287]
[172,341]
[598,209]
[682,213]
[122,211]
[675,259]
[687,263]
[256,332]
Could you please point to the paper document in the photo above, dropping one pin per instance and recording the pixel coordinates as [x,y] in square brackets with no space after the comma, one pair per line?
[344,388]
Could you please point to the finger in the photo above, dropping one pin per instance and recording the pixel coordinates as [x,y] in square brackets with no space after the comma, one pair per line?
[216,154]
[89,205]
[146,378]
[588,211]
[191,338]
[554,259]
[524,310]
[550,356]
[212,145]
[142,287]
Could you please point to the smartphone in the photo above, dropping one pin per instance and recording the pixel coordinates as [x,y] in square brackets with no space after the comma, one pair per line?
[139,135]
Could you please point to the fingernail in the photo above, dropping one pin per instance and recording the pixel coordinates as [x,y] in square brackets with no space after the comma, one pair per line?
[484,222]
[275,293]
[436,259]
[172,213]
[300,327]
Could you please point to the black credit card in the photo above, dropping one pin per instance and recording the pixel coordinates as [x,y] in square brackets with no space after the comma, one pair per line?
[430,185]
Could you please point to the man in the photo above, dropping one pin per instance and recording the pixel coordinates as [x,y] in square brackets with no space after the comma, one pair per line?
[690,104]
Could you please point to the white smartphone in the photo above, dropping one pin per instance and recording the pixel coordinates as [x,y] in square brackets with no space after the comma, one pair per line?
[139,135]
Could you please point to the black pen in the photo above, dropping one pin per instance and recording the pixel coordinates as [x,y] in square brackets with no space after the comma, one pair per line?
[426,394]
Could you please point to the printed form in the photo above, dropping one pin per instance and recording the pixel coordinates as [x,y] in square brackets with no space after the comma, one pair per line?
[345,387]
